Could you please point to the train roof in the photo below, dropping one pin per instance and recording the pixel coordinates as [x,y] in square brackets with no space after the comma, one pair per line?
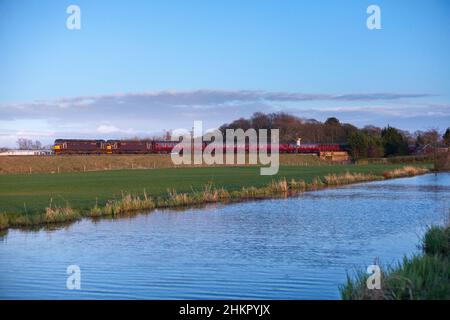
[78,140]
[128,140]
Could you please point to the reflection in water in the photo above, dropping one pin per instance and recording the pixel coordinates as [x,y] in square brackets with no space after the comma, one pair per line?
[296,248]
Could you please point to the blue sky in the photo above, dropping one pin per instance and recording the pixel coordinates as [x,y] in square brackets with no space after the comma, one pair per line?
[138,67]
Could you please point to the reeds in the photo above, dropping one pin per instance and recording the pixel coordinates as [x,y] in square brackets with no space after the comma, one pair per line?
[348,178]
[437,241]
[4,221]
[55,214]
[407,171]
[423,276]
[127,203]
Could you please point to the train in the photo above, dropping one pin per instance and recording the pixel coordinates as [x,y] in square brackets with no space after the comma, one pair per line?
[85,147]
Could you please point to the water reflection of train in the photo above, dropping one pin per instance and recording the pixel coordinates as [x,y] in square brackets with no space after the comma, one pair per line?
[77,146]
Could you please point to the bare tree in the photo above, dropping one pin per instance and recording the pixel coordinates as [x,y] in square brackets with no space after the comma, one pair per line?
[24,143]
[28,144]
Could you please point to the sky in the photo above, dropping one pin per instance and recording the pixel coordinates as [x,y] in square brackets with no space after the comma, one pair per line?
[136,68]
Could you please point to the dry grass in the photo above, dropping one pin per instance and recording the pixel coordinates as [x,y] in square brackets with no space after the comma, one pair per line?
[59,214]
[81,163]
[347,178]
[407,171]
[442,162]
[4,223]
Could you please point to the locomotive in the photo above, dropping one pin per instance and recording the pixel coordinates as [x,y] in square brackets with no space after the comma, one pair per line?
[77,146]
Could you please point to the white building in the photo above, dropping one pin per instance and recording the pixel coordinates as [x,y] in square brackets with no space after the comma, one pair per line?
[26,153]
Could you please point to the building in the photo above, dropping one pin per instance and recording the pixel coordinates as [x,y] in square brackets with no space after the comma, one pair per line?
[429,149]
[334,155]
[26,153]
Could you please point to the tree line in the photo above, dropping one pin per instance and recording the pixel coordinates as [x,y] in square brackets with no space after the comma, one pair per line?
[367,142]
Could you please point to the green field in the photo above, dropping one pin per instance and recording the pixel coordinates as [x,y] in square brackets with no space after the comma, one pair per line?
[32,193]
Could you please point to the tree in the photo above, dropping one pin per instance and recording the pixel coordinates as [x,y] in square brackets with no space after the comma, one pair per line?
[332,121]
[420,142]
[37,145]
[24,144]
[375,147]
[431,137]
[358,145]
[28,144]
[446,137]
[260,120]
[372,131]
[393,141]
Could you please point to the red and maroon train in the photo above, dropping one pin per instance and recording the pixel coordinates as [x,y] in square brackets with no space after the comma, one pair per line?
[71,146]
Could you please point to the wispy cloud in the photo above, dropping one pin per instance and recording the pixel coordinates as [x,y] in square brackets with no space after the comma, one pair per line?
[118,115]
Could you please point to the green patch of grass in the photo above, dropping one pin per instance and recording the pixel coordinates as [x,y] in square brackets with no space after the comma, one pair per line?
[422,277]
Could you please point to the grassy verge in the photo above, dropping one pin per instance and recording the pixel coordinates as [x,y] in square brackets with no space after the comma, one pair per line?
[28,200]
[425,276]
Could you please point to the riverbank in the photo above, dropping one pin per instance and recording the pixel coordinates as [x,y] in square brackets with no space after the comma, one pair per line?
[32,200]
[421,277]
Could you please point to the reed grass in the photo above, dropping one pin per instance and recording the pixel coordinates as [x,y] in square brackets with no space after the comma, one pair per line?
[407,171]
[421,277]
[437,241]
[4,221]
[348,178]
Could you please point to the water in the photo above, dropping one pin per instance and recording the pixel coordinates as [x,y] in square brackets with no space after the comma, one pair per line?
[297,248]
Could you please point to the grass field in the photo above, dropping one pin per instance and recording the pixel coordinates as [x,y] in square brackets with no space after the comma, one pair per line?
[83,163]
[29,194]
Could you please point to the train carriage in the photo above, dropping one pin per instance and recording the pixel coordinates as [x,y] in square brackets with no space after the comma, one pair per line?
[129,146]
[79,146]
[163,146]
